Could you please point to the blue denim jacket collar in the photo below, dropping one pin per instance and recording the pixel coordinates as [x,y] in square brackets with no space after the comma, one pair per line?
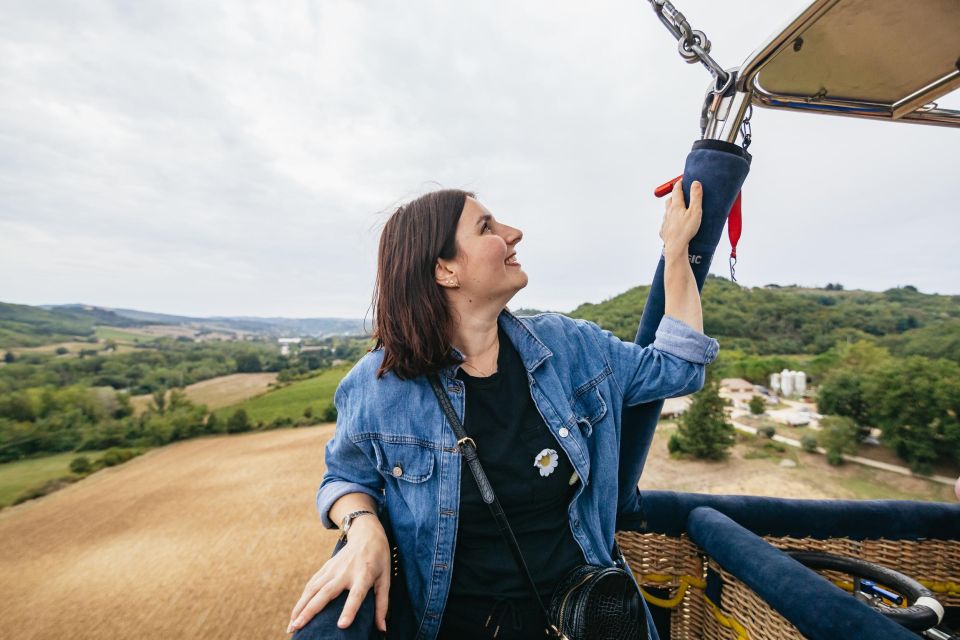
[531,349]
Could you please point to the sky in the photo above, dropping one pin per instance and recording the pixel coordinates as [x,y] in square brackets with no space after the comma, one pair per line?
[240,158]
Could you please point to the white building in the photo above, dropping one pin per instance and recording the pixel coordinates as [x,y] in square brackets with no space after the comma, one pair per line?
[285,345]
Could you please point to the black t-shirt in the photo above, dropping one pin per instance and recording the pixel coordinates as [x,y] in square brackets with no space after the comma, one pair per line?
[511,435]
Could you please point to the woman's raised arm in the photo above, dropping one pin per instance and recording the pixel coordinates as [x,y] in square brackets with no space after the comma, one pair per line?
[680,224]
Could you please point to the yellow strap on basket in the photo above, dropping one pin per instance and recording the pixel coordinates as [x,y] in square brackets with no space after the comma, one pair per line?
[949,588]
[726,621]
[685,583]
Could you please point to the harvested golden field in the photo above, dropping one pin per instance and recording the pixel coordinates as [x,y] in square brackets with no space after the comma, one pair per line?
[215,537]
[222,391]
[208,538]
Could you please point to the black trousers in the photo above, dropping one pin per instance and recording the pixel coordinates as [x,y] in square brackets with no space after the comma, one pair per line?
[476,618]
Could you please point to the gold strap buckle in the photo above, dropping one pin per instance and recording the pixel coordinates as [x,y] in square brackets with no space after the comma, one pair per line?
[556,632]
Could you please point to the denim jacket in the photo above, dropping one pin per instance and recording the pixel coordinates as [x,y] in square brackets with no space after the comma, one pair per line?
[393,442]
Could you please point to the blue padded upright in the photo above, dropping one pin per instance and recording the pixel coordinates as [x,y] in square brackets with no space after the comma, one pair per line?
[721,167]
[819,609]
[668,512]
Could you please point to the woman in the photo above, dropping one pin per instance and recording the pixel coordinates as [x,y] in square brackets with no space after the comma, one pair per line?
[546,393]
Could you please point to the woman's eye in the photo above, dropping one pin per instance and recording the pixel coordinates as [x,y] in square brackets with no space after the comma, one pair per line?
[485,228]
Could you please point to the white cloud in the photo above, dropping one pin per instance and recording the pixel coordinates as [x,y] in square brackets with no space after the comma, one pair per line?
[217,158]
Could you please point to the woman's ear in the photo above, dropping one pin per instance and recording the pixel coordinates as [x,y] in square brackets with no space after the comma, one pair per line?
[445,276]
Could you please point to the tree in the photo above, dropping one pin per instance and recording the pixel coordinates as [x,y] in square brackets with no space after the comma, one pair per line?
[915,403]
[841,394]
[838,435]
[9,357]
[238,422]
[81,465]
[18,406]
[757,405]
[330,413]
[214,424]
[703,431]
[160,400]
[249,363]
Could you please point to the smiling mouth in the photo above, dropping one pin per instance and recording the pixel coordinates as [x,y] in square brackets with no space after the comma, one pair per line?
[512,261]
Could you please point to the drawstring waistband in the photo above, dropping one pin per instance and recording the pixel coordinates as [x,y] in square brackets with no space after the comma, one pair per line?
[501,608]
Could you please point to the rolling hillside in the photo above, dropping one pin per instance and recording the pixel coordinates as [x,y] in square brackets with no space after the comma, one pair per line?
[796,320]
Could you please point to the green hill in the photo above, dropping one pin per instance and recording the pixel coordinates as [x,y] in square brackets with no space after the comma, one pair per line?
[25,326]
[797,320]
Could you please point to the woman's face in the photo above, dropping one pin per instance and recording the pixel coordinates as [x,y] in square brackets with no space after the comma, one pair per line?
[486,265]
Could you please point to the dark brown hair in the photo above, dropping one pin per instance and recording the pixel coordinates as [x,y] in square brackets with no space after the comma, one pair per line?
[412,319]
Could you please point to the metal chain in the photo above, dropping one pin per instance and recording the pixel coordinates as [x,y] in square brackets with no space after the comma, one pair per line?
[693,45]
[746,130]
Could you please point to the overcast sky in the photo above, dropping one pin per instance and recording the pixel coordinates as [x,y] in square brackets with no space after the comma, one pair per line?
[233,158]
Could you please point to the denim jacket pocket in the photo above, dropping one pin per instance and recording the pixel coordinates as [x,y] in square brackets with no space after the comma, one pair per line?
[403,461]
[589,408]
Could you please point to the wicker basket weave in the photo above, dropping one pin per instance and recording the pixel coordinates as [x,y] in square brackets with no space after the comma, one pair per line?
[677,564]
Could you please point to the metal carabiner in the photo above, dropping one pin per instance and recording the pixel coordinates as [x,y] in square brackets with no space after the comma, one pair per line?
[692,44]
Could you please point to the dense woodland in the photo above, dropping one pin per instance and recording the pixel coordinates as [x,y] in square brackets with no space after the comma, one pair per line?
[775,320]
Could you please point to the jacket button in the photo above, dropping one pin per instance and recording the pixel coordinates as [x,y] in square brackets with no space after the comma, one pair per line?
[564,432]
[397,471]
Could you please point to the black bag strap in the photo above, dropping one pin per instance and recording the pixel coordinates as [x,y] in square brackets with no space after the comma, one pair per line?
[468,449]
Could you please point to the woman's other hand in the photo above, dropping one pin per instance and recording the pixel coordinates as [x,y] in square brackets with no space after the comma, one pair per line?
[362,563]
[680,222]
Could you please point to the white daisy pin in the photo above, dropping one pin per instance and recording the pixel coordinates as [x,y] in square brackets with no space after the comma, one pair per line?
[546,462]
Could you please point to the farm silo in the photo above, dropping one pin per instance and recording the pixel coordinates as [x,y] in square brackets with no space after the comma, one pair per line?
[786,382]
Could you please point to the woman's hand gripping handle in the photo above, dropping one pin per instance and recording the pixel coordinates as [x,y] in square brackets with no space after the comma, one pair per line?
[680,225]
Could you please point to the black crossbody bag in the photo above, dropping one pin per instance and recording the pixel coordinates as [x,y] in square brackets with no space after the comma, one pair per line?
[591,602]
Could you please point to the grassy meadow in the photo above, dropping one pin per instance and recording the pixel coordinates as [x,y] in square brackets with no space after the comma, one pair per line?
[17,477]
[291,400]
[121,335]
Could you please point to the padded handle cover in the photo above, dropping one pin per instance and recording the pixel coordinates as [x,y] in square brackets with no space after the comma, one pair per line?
[721,167]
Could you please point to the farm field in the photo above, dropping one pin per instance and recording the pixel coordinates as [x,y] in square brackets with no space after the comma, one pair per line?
[17,477]
[121,335]
[215,537]
[218,392]
[207,538]
[291,400]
